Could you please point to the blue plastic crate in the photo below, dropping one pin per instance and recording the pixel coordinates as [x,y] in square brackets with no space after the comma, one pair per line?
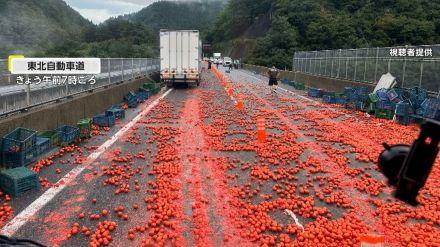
[118,113]
[69,134]
[361,90]
[393,95]
[361,106]
[329,99]
[19,140]
[382,94]
[142,94]
[17,159]
[341,100]
[285,81]
[315,92]
[133,103]
[18,180]
[349,90]
[402,109]
[145,91]
[418,95]
[131,95]
[429,113]
[104,121]
[328,93]
[385,105]
[43,145]
[428,103]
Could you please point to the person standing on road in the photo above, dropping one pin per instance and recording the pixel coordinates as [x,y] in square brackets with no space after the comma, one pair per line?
[273,74]
[209,64]
[230,67]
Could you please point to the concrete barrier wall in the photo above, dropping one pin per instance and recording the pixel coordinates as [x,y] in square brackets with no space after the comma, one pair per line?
[68,112]
[330,84]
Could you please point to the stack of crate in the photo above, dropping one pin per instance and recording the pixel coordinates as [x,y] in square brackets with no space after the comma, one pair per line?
[356,98]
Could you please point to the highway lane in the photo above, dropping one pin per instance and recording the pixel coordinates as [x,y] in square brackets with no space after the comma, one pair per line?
[190,172]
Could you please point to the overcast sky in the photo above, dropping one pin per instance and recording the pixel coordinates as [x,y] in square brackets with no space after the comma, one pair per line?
[100,10]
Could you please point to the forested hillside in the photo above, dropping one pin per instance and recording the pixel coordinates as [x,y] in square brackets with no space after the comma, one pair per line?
[137,35]
[52,28]
[113,38]
[198,15]
[293,25]
[28,26]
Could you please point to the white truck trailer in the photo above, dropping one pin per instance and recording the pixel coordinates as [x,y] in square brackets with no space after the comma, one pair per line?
[180,57]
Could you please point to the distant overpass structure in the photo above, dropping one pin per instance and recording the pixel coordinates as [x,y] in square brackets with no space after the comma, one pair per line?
[17,96]
[411,65]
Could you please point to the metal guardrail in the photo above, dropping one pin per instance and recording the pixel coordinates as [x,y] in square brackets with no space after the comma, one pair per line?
[14,97]
[368,64]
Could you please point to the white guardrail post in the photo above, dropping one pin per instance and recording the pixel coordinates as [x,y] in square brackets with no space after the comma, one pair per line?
[109,71]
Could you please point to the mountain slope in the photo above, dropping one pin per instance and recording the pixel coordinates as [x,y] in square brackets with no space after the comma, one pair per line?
[28,26]
[199,15]
[323,24]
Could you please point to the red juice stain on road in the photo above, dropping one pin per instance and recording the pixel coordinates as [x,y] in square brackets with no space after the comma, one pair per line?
[192,140]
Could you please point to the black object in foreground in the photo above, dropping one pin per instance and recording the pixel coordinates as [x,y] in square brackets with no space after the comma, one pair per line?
[7,241]
[408,167]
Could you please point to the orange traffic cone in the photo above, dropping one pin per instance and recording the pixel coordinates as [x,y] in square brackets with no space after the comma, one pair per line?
[239,103]
[261,130]
[230,91]
[372,240]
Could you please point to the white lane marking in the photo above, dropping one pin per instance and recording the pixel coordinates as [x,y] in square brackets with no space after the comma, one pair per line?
[292,214]
[27,214]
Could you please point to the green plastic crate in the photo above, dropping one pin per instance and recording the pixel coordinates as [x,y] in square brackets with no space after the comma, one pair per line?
[151,86]
[155,90]
[54,137]
[300,86]
[85,128]
[18,180]
[148,85]
[373,97]
[384,114]
[371,108]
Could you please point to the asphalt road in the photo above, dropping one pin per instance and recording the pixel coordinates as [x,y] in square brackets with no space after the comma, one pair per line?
[188,171]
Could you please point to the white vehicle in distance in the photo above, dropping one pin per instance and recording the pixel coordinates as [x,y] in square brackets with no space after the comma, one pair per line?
[227,61]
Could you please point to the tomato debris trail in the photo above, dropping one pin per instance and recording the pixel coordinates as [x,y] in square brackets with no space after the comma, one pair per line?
[186,169]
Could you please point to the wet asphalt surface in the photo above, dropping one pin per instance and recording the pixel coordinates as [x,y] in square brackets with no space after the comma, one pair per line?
[218,164]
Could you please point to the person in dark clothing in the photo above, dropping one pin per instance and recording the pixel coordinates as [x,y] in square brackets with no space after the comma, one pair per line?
[273,74]
[230,66]
[209,64]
